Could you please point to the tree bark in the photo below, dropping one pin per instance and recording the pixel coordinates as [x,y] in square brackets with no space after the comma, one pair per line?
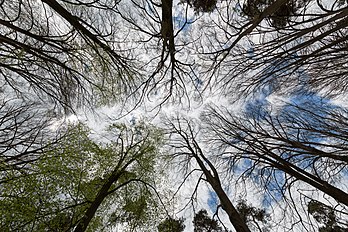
[167,29]
[304,176]
[234,216]
[102,194]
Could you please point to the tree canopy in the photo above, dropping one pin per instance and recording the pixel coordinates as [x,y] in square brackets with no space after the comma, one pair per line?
[238,107]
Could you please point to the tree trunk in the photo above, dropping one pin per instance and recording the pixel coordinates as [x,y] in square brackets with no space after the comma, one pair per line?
[308,178]
[102,194]
[234,216]
[167,30]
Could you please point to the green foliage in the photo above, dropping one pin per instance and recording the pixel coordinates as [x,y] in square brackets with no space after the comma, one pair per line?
[249,212]
[54,192]
[61,222]
[321,213]
[171,225]
[325,214]
[203,223]
[45,193]
[138,208]
[279,19]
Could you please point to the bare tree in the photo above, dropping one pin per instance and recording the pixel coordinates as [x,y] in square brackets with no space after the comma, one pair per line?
[185,143]
[24,134]
[167,40]
[71,45]
[55,49]
[310,146]
[298,144]
[249,51]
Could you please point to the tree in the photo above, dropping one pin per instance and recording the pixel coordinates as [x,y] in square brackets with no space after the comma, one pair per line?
[24,135]
[325,215]
[54,48]
[171,225]
[295,144]
[81,185]
[60,55]
[279,43]
[52,62]
[74,53]
[203,223]
[279,18]
[186,146]
[79,49]
[251,214]
[294,150]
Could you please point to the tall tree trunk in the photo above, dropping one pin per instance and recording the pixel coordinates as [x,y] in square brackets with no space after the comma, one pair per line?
[235,218]
[304,176]
[102,194]
[167,30]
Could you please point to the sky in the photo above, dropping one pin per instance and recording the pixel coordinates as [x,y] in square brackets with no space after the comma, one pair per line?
[263,101]
[197,89]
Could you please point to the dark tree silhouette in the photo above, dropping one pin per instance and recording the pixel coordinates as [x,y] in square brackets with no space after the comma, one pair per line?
[306,147]
[171,225]
[59,53]
[299,144]
[326,215]
[184,142]
[203,223]
[252,214]
[24,135]
[276,43]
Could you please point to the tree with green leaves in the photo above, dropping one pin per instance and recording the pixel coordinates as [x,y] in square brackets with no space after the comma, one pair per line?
[81,185]
[57,56]
[171,225]
[203,223]
[253,216]
[326,215]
